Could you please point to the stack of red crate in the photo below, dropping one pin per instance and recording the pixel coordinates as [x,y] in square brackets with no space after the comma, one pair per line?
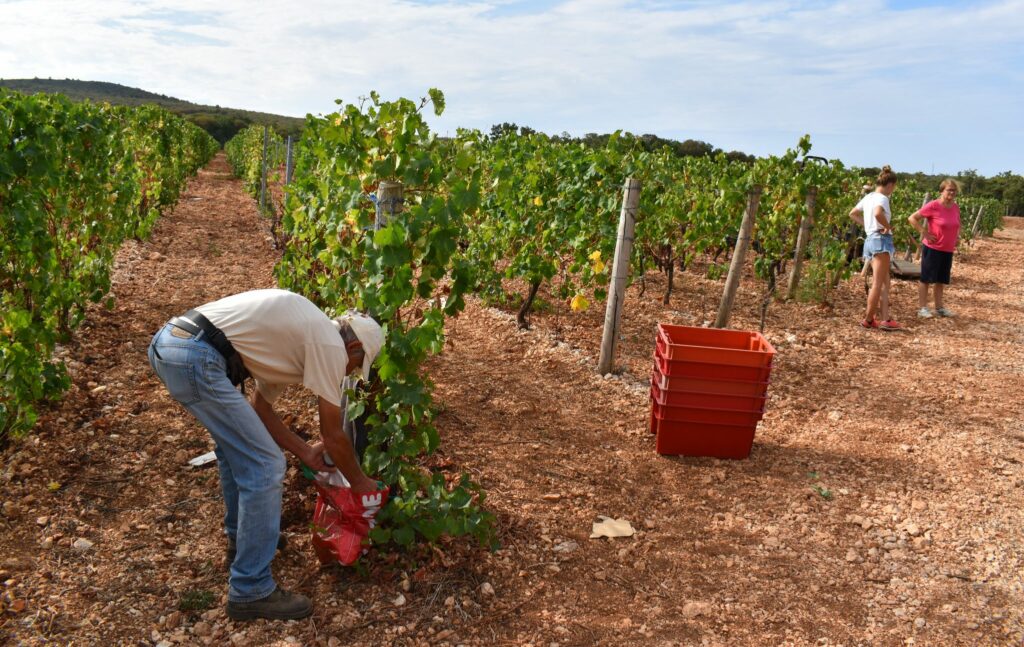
[708,390]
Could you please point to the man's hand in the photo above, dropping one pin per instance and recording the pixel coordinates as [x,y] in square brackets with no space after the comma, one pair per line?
[313,457]
[340,448]
[364,485]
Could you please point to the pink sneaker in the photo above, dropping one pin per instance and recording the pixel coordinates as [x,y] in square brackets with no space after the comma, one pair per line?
[891,324]
[869,324]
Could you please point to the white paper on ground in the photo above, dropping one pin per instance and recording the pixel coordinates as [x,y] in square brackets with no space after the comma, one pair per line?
[199,461]
[608,527]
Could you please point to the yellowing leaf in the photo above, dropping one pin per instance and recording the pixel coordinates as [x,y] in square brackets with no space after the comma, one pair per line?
[598,267]
[538,202]
[579,303]
[595,256]
[53,486]
[352,219]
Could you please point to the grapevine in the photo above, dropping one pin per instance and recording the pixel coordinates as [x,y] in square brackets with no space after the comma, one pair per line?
[407,274]
[76,180]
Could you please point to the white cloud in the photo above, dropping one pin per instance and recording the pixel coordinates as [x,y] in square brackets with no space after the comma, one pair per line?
[869,83]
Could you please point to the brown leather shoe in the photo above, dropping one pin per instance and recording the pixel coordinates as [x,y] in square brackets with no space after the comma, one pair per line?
[279,605]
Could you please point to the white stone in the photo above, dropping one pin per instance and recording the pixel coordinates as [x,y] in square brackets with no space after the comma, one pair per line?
[566,547]
[694,609]
[82,544]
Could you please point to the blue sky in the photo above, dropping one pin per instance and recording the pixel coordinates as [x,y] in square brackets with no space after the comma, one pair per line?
[921,85]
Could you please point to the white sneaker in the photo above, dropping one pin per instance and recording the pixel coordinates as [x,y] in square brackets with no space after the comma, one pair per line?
[945,312]
[924,313]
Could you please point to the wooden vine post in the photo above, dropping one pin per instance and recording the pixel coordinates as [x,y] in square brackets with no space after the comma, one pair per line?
[802,239]
[263,170]
[390,198]
[389,202]
[289,162]
[620,274]
[977,223]
[738,257]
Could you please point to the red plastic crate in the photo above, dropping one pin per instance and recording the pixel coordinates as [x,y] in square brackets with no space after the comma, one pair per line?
[684,368]
[714,386]
[714,345]
[693,398]
[705,414]
[681,438]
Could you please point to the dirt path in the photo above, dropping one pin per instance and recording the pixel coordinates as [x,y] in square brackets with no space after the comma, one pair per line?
[882,501]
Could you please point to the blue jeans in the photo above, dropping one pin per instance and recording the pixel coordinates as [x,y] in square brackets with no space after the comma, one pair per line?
[251,464]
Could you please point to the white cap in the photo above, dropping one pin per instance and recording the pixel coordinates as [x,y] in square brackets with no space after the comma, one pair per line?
[369,333]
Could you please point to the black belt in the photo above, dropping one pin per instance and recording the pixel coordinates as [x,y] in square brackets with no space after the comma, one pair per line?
[193,322]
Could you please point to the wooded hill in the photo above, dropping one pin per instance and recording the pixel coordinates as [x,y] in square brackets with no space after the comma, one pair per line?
[220,122]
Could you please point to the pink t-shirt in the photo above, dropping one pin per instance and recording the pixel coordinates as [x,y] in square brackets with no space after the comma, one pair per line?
[943,223]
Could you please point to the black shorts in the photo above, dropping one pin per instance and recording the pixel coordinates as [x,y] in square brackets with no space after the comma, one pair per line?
[935,265]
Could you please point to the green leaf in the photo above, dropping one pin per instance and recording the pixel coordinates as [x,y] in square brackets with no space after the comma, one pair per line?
[437,98]
[403,535]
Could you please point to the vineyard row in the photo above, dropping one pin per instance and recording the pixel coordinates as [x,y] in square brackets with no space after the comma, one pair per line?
[76,181]
[385,217]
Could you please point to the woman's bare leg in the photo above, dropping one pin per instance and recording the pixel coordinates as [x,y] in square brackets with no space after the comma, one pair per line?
[922,295]
[879,276]
[883,303]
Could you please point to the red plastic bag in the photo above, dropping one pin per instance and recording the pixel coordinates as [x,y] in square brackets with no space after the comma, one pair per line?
[342,521]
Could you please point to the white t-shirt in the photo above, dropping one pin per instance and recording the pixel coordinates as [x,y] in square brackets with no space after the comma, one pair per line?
[868,204]
[283,339]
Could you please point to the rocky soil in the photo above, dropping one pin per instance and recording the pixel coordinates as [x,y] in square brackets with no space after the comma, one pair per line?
[881,505]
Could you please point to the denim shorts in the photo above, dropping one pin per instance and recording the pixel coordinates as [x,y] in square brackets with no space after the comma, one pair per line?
[878,244]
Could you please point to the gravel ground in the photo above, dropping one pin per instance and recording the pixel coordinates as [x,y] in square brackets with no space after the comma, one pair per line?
[881,504]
